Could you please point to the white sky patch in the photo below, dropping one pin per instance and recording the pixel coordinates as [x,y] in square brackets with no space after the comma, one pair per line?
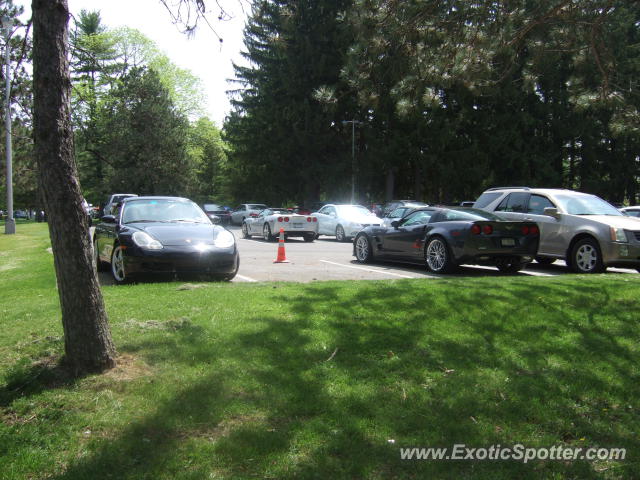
[202,53]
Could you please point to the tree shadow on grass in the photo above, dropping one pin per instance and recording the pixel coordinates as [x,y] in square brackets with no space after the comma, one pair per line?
[334,386]
[29,378]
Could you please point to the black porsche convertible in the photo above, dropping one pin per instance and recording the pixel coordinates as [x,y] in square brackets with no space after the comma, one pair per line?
[163,235]
[443,238]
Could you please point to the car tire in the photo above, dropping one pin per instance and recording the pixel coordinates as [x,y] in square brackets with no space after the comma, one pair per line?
[362,247]
[245,230]
[118,271]
[509,266]
[266,233]
[98,264]
[437,256]
[586,257]
[545,260]
[226,277]
[340,235]
[309,238]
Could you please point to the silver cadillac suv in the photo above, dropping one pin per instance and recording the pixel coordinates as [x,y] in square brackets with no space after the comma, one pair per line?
[582,229]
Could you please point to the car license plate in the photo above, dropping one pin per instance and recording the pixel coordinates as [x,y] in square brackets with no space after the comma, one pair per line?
[297,225]
[508,242]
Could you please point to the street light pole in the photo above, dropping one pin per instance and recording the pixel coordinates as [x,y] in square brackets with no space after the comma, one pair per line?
[10,224]
[353,156]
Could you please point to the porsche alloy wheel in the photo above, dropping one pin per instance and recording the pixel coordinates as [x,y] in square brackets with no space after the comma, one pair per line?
[117,265]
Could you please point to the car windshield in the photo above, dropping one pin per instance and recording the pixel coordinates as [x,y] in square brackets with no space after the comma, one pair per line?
[472,214]
[586,205]
[163,210]
[353,210]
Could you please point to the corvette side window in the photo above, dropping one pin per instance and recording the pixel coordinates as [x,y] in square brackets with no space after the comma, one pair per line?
[417,218]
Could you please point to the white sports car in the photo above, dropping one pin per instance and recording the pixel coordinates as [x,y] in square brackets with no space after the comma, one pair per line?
[270,220]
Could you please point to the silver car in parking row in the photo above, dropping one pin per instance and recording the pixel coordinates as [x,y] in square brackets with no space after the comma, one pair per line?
[344,221]
[582,229]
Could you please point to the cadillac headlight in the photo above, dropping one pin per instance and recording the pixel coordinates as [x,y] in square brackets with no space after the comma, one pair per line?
[144,240]
[618,235]
[224,239]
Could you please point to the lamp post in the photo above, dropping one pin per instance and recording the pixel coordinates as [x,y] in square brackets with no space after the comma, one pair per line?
[353,156]
[10,224]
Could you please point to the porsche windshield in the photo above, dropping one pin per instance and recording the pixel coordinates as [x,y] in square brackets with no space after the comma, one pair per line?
[161,210]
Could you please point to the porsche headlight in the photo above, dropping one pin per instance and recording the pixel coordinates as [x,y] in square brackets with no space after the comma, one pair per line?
[618,235]
[144,240]
[224,239]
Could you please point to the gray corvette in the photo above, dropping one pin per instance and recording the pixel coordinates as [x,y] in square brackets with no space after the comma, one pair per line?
[443,238]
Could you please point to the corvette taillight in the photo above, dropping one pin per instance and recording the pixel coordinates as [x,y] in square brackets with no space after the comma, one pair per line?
[315,219]
[534,230]
[286,219]
[280,219]
[487,229]
[525,230]
[475,229]
[308,219]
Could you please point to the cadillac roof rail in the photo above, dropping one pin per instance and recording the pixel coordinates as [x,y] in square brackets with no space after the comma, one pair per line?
[506,188]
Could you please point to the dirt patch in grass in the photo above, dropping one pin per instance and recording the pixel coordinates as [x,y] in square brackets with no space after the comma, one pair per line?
[128,367]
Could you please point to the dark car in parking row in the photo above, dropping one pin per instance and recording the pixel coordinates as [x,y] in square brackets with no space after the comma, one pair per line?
[444,238]
[163,235]
[217,213]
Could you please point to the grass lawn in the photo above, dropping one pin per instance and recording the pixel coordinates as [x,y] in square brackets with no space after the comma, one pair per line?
[325,380]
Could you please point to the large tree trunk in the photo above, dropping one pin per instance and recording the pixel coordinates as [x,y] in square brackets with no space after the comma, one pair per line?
[87,339]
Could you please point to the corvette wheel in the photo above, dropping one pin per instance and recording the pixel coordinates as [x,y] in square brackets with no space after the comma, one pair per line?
[266,233]
[363,249]
[245,230]
[437,256]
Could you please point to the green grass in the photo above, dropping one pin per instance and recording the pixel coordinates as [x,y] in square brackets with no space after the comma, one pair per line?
[325,380]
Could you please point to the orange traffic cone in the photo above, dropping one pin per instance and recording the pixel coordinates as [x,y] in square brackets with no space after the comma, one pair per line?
[282,258]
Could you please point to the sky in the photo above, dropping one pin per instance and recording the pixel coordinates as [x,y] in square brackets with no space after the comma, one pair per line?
[202,53]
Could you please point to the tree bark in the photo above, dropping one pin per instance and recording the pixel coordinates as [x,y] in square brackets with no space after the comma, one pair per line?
[87,338]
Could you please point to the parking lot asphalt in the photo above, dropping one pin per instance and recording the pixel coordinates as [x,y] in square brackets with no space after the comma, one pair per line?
[327,259]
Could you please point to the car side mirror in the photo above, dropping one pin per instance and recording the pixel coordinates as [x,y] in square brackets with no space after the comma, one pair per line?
[109,219]
[395,224]
[551,212]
